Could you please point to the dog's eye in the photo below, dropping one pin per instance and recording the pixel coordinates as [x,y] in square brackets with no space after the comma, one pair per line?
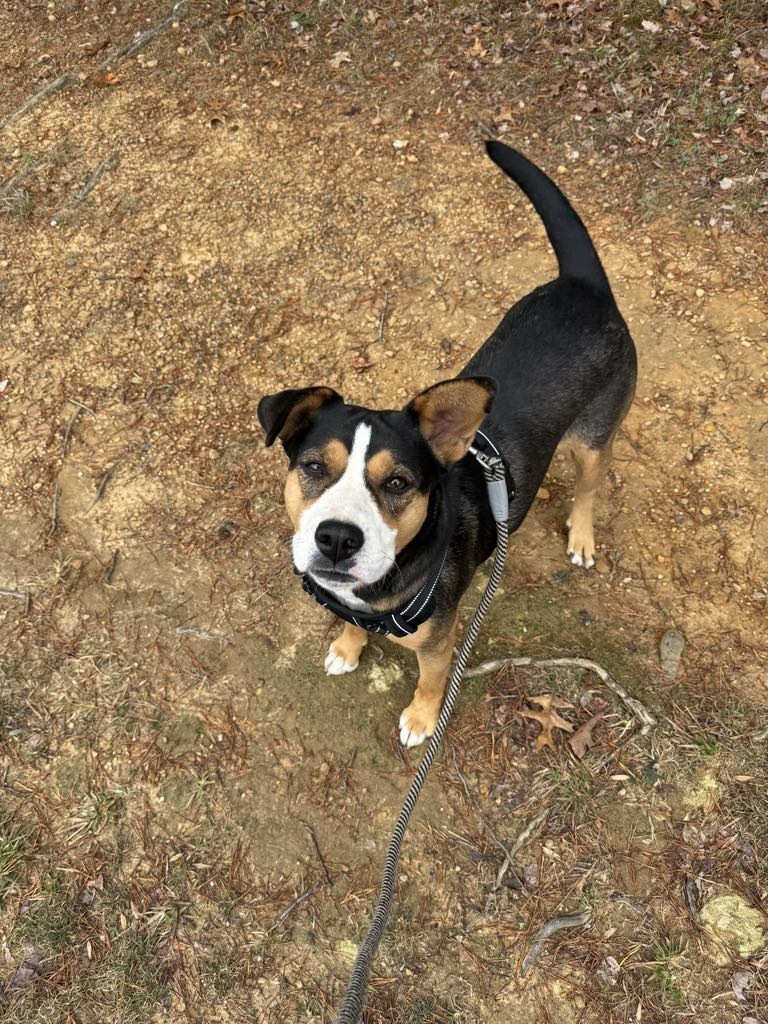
[397,484]
[313,468]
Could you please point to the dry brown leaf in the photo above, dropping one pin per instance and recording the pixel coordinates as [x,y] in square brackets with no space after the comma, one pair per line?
[582,739]
[106,78]
[548,718]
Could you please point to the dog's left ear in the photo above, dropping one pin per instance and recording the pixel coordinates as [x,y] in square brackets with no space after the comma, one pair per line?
[449,413]
[283,414]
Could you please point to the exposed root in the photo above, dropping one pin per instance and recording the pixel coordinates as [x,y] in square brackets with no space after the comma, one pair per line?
[58,85]
[548,929]
[142,42]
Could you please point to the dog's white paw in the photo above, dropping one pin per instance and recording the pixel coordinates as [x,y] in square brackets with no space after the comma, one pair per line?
[581,558]
[417,724]
[336,665]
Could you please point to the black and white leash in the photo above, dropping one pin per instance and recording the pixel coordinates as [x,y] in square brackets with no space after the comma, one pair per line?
[354,996]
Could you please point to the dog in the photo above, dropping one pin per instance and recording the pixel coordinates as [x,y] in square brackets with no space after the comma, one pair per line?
[390,509]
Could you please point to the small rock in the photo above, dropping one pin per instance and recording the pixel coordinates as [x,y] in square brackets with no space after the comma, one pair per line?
[381,680]
[602,565]
[699,293]
[543,494]
[733,928]
[706,510]
[400,143]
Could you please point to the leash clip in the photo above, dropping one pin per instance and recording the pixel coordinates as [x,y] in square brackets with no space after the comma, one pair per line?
[496,482]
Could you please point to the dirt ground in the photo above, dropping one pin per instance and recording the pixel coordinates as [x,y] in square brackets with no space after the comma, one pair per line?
[193,816]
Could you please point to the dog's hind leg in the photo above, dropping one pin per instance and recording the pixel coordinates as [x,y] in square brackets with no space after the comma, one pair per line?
[591,467]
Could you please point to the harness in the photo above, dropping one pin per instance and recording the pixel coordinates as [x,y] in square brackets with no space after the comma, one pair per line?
[406,620]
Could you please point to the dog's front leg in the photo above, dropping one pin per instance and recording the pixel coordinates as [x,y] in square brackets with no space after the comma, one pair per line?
[433,643]
[344,653]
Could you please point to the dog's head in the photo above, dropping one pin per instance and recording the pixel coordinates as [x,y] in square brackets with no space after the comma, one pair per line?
[359,480]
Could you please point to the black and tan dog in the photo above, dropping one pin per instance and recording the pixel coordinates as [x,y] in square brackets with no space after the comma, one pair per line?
[390,508]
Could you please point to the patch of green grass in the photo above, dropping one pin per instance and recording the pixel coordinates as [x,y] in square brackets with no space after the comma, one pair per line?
[708,745]
[572,787]
[428,1011]
[14,851]
[16,202]
[50,920]
[663,953]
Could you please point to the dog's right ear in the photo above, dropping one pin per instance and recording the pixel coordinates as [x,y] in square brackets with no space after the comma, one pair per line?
[286,412]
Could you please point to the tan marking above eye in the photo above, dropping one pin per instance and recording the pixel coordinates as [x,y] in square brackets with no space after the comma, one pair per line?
[380,467]
[408,520]
[335,455]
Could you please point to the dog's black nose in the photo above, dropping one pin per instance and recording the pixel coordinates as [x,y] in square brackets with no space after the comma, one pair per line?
[337,540]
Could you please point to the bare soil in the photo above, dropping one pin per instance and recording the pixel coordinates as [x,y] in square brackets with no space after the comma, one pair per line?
[177,768]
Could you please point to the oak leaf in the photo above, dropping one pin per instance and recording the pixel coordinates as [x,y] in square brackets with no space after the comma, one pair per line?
[582,739]
[548,718]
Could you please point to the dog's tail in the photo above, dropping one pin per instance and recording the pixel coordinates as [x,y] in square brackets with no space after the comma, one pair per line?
[573,247]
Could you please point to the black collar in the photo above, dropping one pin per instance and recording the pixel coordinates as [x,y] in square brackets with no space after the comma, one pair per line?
[406,620]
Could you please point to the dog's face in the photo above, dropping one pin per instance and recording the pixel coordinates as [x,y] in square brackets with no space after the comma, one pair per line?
[359,480]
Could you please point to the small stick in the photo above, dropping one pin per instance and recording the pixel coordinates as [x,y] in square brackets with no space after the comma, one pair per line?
[313,837]
[383,317]
[72,419]
[108,164]
[25,172]
[641,713]
[62,82]
[202,634]
[521,840]
[106,476]
[296,903]
[141,42]
[111,566]
[550,928]
[54,510]
[21,595]
[82,405]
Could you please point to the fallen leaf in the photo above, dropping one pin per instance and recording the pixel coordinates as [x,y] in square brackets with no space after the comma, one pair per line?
[548,718]
[608,971]
[339,58]
[582,739]
[106,78]
[741,983]
[651,26]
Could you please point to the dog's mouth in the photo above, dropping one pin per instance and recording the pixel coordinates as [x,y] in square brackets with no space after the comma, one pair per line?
[334,576]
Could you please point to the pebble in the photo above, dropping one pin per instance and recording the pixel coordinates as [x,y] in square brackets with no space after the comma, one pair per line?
[602,564]
[543,494]
[699,293]
[706,510]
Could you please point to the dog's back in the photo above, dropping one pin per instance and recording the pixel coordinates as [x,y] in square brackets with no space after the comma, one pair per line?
[562,357]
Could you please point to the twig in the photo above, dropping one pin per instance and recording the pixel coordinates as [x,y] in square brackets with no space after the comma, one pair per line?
[313,837]
[62,82]
[518,844]
[19,176]
[141,42]
[82,405]
[106,476]
[72,420]
[54,510]
[108,164]
[641,713]
[383,317]
[20,595]
[202,634]
[557,924]
[296,903]
[111,567]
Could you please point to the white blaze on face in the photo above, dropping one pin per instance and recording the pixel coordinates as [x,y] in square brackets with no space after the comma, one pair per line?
[350,501]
